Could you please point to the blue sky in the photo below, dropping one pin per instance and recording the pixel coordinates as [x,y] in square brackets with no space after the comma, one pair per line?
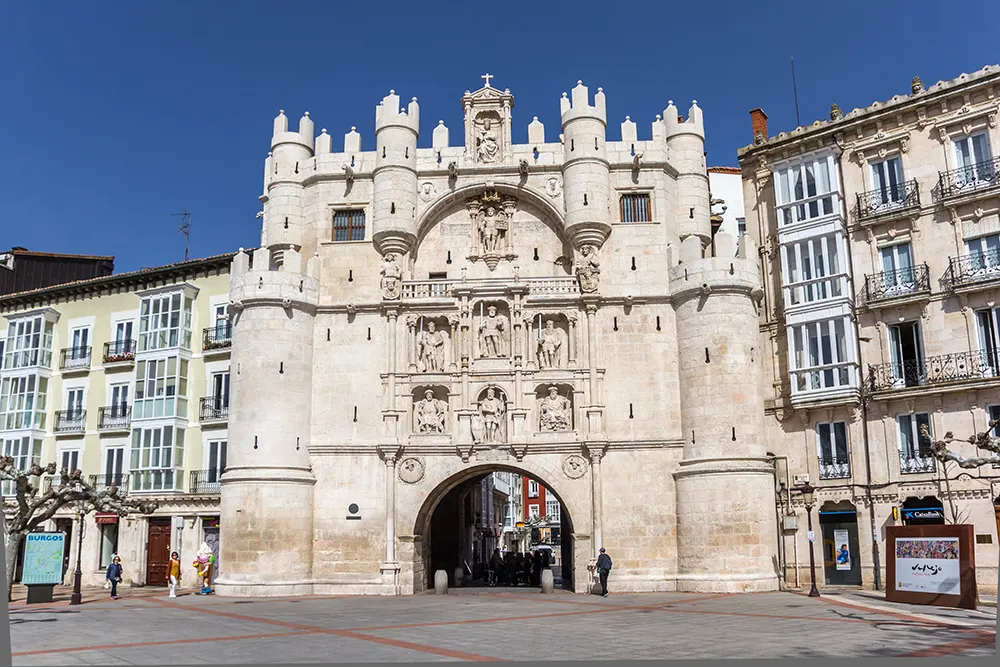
[118,114]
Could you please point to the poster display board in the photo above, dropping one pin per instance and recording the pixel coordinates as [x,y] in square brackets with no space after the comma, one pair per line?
[931,564]
[842,549]
[43,559]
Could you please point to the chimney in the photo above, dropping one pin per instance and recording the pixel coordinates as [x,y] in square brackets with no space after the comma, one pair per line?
[758,123]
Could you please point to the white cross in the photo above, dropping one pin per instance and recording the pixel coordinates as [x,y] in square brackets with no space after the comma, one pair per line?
[487,78]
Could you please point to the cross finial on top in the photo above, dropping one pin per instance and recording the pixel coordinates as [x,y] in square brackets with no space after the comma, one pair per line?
[486,77]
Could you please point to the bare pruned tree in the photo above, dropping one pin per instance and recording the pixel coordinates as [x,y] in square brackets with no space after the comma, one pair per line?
[30,506]
[943,453]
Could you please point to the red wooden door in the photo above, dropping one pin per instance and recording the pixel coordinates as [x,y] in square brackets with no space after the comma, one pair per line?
[157,552]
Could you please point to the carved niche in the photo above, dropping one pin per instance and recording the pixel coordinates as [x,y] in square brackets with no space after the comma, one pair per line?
[489,422]
[492,217]
[430,411]
[548,337]
[555,408]
[493,331]
[487,125]
[433,343]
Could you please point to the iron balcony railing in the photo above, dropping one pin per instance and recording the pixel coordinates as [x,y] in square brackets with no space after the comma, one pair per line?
[214,407]
[897,197]
[973,178]
[74,357]
[114,417]
[975,268]
[207,481]
[119,350]
[217,337]
[70,421]
[119,480]
[897,283]
[916,462]
[944,369]
[834,468]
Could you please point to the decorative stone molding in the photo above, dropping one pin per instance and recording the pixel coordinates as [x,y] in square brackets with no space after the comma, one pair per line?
[574,466]
[411,470]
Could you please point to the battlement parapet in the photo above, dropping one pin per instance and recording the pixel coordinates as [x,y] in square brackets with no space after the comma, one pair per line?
[388,114]
[303,138]
[695,270]
[274,277]
[580,106]
[693,124]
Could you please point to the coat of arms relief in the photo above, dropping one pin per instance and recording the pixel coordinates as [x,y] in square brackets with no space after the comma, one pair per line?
[492,224]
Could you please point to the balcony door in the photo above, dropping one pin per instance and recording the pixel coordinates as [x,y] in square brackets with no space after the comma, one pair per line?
[81,340]
[887,177]
[907,354]
[973,155]
[74,404]
[113,461]
[897,263]
[123,337]
[989,339]
[984,254]
[220,391]
[69,460]
[216,461]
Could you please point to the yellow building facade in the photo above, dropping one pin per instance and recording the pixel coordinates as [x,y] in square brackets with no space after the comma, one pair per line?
[125,378]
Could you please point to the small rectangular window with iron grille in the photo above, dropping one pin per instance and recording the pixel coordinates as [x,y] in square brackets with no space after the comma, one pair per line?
[636,208]
[349,225]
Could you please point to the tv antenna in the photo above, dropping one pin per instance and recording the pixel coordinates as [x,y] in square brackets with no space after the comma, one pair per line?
[186,230]
[795,94]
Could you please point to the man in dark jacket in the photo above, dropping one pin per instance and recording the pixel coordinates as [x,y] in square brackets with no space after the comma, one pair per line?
[603,568]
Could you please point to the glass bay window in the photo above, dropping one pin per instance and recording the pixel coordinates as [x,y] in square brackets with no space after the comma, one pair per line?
[807,190]
[813,269]
[821,355]
[160,388]
[165,322]
[157,458]
[29,343]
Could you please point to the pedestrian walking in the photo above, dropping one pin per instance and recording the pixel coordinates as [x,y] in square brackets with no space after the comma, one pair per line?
[174,573]
[603,569]
[114,575]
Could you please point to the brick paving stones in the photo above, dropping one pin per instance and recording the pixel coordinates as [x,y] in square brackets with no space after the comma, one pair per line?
[144,628]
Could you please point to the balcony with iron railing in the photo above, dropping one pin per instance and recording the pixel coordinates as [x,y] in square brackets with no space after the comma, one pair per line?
[214,409]
[119,352]
[70,421]
[442,288]
[114,418]
[834,468]
[976,271]
[906,284]
[913,463]
[106,481]
[973,181]
[165,481]
[218,338]
[74,359]
[206,481]
[882,204]
[944,369]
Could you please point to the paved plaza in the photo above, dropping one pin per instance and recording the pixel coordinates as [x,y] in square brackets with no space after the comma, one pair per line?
[144,627]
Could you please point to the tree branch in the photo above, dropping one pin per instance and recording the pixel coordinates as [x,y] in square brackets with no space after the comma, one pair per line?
[941,451]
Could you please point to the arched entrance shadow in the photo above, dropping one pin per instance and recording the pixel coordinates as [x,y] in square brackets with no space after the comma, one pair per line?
[435,512]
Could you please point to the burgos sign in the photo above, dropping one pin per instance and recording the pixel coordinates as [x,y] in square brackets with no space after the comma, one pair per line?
[43,559]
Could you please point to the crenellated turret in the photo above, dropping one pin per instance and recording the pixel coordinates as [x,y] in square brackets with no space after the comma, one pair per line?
[686,152]
[394,204]
[284,225]
[724,474]
[586,170]
[267,490]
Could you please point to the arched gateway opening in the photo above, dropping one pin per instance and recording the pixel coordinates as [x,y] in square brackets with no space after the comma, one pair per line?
[471,514]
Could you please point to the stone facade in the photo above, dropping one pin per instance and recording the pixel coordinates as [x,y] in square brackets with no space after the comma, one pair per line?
[880,236]
[418,317]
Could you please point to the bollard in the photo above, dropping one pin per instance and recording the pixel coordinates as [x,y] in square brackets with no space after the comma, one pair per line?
[459,577]
[548,583]
[440,583]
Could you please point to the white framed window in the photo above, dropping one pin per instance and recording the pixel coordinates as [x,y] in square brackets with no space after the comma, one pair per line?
[3,342]
[81,342]
[157,458]
[220,389]
[114,466]
[972,158]
[25,451]
[994,415]
[915,437]
[907,354]
[29,343]
[165,322]
[814,269]
[741,226]
[821,355]
[74,401]
[69,459]
[216,463]
[119,394]
[532,488]
[984,255]
[807,190]
[533,511]
[22,402]
[123,343]
[898,276]
[160,388]
[887,181]
[552,510]
[831,447]
[988,325]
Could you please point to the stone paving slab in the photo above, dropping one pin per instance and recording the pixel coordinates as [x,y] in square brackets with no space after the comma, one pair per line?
[151,629]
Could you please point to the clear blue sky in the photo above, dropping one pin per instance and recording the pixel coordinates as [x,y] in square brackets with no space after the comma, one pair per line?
[117,114]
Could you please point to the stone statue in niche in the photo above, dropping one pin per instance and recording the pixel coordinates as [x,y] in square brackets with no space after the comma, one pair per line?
[554,412]
[488,144]
[430,414]
[392,276]
[550,343]
[488,424]
[493,231]
[430,349]
[492,218]
[588,269]
[492,335]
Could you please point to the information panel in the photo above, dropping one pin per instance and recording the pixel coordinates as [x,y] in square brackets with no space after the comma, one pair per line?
[43,558]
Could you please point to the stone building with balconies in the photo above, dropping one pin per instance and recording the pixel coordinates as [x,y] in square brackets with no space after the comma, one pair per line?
[879,231]
[126,378]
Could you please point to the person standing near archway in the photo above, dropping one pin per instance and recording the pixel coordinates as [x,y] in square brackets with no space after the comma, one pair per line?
[603,569]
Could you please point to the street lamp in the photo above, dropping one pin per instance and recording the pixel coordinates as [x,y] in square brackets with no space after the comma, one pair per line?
[77,597]
[808,499]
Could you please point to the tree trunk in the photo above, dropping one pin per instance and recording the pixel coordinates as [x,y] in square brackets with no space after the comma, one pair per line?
[12,544]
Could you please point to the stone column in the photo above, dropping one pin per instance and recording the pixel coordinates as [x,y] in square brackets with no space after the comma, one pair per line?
[411,346]
[390,509]
[392,316]
[592,350]
[571,341]
[456,342]
[598,504]
[529,352]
